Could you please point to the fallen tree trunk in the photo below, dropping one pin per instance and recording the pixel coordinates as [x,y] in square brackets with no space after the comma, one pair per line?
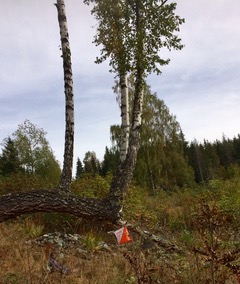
[16,204]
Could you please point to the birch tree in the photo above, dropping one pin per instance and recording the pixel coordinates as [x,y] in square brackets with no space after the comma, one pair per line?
[44,200]
[66,176]
[131,33]
[112,34]
[31,144]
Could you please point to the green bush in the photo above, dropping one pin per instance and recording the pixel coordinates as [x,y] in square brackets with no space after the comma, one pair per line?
[23,181]
[89,185]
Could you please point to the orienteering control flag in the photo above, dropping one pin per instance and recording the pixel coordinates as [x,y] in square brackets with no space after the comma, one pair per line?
[122,236]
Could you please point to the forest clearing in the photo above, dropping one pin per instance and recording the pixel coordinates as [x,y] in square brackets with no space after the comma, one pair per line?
[156,208]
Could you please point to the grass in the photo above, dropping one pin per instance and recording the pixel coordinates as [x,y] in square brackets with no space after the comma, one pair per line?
[203,221]
[26,263]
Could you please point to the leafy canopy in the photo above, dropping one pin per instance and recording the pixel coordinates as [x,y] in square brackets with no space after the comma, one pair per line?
[122,28]
[34,152]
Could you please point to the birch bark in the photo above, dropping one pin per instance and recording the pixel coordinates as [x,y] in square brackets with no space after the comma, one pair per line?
[125,118]
[122,179]
[66,176]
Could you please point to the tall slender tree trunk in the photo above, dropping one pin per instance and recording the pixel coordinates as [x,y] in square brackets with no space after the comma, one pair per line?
[122,179]
[125,117]
[66,176]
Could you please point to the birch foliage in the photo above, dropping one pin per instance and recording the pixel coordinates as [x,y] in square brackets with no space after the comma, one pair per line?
[31,144]
[131,33]
[124,24]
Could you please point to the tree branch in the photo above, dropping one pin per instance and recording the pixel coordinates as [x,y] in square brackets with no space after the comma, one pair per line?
[163,2]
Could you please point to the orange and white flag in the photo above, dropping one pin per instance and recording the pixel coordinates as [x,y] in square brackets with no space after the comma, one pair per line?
[122,236]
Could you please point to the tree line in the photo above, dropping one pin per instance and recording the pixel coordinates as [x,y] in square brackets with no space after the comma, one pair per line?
[166,161]
[172,166]
[214,160]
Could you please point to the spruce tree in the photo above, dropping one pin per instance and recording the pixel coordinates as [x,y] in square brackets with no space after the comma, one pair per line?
[80,169]
[9,160]
[110,161]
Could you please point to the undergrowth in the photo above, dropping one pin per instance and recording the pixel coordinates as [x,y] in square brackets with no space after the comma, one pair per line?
[203,221]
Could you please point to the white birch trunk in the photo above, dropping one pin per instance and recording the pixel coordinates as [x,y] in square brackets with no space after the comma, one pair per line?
[125,118]
[66,176]
[122,180]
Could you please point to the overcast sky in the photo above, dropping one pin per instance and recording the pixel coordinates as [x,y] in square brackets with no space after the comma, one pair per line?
[201,85]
